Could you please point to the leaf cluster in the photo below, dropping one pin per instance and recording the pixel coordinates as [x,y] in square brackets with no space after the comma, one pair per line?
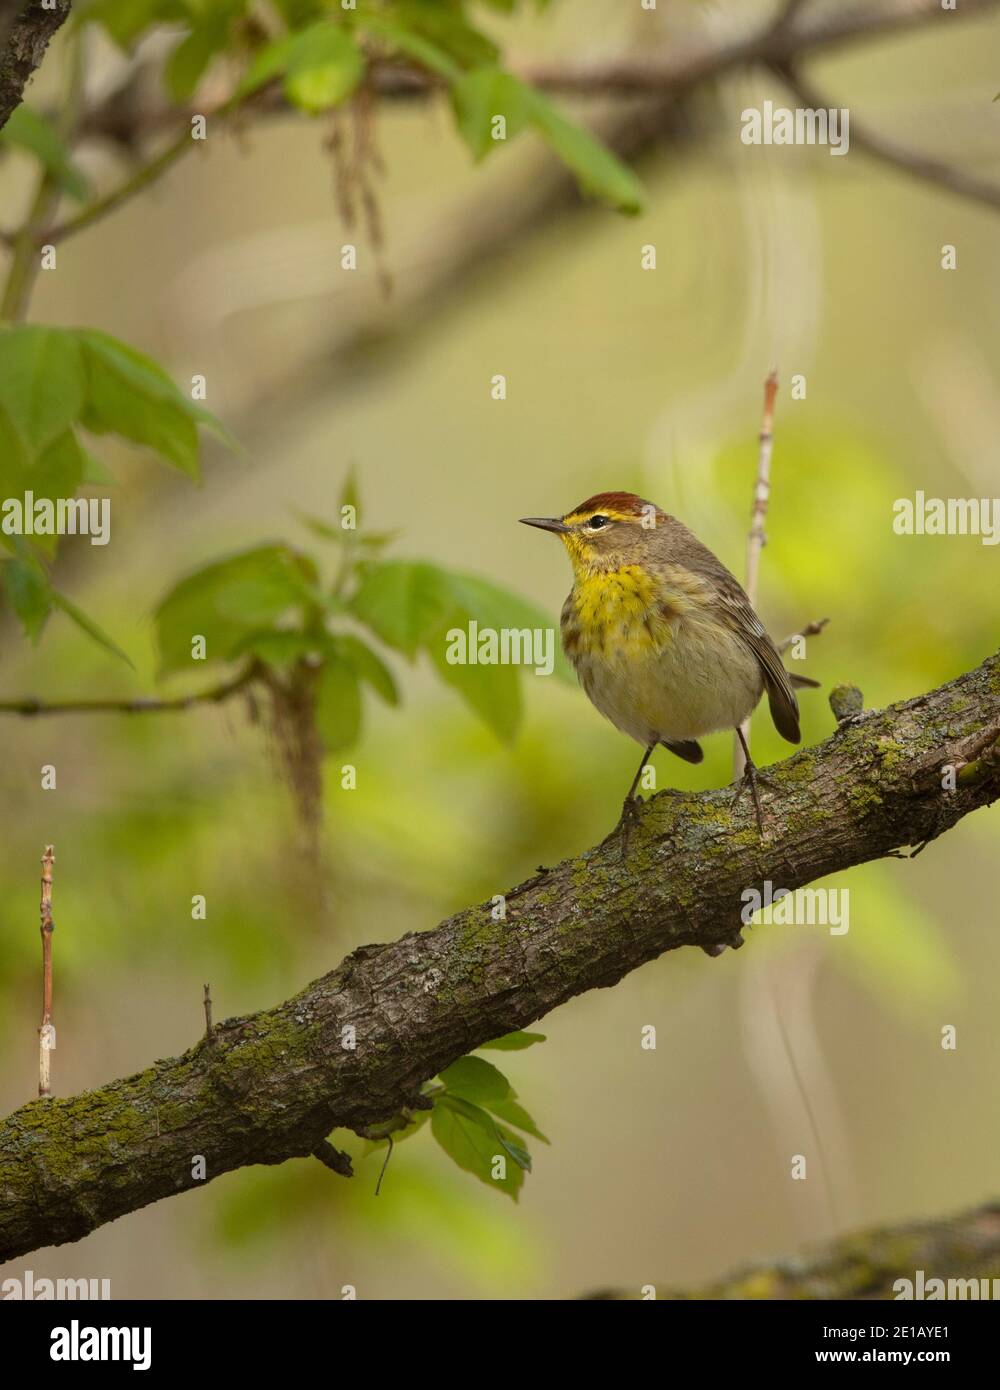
[477,1120]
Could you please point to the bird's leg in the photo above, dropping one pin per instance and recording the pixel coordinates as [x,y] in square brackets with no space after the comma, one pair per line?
[630,795]
[631,804]
[751,777]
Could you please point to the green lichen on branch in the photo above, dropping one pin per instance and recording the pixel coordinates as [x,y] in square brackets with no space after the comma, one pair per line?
[272,1086]
[880,1263]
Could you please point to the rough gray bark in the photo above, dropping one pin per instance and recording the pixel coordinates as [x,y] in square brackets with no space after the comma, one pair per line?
[25,31]
[271,1086]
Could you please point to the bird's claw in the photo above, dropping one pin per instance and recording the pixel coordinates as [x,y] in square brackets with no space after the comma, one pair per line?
[752,778]
[623,830]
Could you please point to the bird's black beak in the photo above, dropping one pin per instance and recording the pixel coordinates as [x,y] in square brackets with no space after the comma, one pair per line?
[544,523]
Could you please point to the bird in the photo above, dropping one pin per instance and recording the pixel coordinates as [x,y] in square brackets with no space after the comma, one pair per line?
[664,640]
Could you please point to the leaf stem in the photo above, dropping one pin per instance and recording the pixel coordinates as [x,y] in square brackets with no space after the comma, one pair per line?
[100,207]
[140,179]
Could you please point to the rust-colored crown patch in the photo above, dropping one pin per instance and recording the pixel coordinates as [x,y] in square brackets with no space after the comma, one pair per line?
[623,503]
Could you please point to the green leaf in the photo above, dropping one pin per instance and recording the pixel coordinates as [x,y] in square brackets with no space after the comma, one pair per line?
[516,1150]
[472,1139]
[403,602]
[125,20]
[515,1114]
[56,472]
[481,95]
[448,31]
[366,665]
[406,40]
[598,172]
[268,63]
[189,61]
[276,647]
[296,13]
[29,594]
[89,626]
[338,705]
[225,601]
[492,692]
[131,395]
[96,472]
[513,1042]
[322,65]
[324,74]
[27,130]
[476,1079]
[415,605]
[366,540]
[42,382]
[14,457]
[494,606]
[484,93]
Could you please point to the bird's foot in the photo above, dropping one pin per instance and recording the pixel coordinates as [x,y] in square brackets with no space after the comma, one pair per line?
[623,830]
[754,778]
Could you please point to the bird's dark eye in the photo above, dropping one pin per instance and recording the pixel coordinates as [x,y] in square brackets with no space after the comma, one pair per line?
[596,522]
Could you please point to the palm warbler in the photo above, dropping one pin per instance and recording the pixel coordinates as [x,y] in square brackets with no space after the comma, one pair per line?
[664,640]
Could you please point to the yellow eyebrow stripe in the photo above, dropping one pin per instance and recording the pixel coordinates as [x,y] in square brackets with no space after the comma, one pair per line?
[576,517]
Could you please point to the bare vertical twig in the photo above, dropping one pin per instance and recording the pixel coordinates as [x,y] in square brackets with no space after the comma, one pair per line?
[46,1032]
[209,1027]
[757,537]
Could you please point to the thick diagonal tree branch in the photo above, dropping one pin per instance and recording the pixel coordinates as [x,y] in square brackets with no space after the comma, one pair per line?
[25,31]
[271,1086]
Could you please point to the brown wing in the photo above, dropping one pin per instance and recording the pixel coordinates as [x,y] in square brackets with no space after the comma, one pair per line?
[780,695]
[738,611]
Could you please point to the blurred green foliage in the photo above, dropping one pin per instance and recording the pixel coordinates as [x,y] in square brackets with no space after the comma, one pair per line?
[57,386]
[322,52]
[271,609]
[643,381]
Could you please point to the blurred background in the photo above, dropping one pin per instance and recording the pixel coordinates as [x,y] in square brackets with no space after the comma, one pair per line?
[669,1166]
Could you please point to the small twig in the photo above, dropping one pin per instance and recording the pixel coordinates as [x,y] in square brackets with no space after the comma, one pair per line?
[214,695]
[147,173]
[46,1032]
[812,629]
[107,202]
[385,1164]
[209,1027]
[334,1159]
[757,537]
[919,166]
